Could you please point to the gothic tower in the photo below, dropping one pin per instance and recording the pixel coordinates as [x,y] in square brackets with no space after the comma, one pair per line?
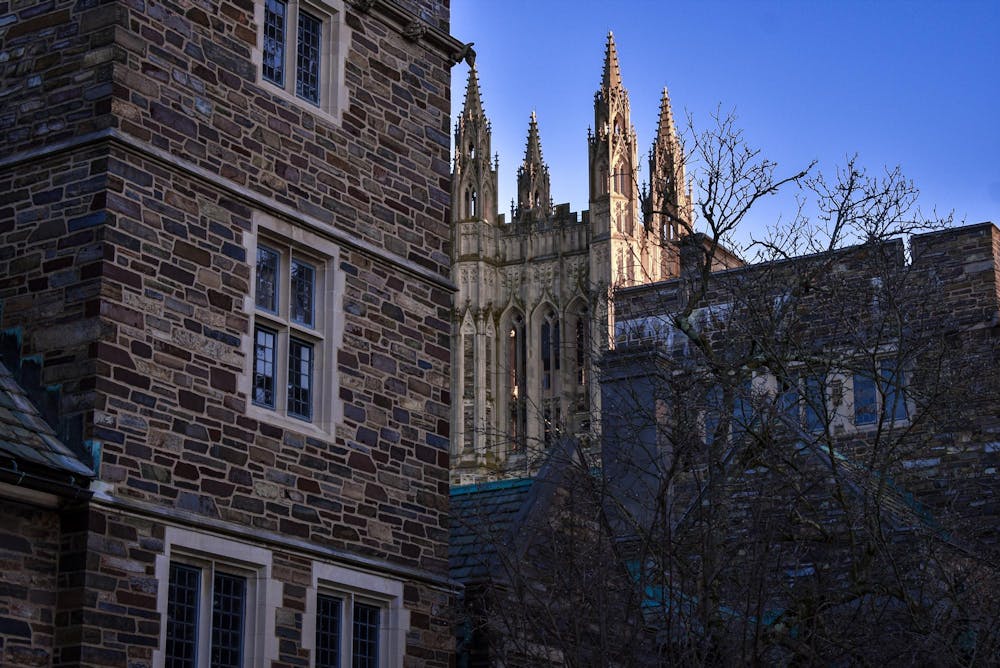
[474,269]
[532,310]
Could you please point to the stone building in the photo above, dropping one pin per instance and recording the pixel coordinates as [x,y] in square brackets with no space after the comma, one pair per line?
[224,278]
[803,454]
[532,305]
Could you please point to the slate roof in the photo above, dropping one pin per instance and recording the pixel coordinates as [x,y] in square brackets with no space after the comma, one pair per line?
[484,516]
[27,439]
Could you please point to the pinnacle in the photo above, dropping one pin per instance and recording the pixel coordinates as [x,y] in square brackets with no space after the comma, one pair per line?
[473,100]
[665,129]
[612,77]
[533,150]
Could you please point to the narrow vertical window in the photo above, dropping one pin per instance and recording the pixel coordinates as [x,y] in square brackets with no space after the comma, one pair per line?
[265,341]
[307,75]
[274,41]
[365,636]
[303,287]
[865,402]
[515,380]
[228,609]
[546,356]
[815,408]
[328,621]
[893,380]
[182,616]
[300,372]
[268,262]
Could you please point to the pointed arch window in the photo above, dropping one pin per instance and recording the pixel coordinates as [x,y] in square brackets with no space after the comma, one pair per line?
[471,202]
[582,343]
[550,352]
[516,377]
[622,177]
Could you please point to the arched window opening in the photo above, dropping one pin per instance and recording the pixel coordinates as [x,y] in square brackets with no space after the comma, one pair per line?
[582,347]
[471,202]
[550,352]
[516,376]
[472,151]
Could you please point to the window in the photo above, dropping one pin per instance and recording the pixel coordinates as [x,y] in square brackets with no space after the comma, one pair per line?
[803,399]
[347,632]
[880,395]
[355,619]
[285,337]
[206,612]
[516,374]
[213,597]
[301,50]
[290,359]
[550,353]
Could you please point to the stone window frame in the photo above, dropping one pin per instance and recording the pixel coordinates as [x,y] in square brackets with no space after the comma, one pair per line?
[335,41]
[325,335]
[362,587]
[205,550]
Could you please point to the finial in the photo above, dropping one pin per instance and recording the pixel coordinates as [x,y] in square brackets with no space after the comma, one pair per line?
[611,77]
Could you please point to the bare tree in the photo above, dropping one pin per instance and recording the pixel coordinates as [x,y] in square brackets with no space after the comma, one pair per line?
[798,462]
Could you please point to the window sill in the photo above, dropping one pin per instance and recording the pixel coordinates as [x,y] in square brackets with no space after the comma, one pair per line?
[285,421]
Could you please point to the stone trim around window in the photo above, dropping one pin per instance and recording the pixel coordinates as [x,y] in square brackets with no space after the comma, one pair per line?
[196,547]
[330,88]
[364,587]
[324,334]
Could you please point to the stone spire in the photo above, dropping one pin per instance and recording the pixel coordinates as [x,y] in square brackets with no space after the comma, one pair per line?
[533,150]
[665,130]
[474,178]
[473,105]
[533,187]
[612,78]
[668,201]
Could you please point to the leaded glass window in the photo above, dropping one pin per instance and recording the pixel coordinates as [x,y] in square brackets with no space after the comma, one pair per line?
[289,324]
[307,62]
[365,636]
[268,263]
[303,286]
[328,633]
[265,343]
[300,372]
[182,616]
[273,67]
[228,608]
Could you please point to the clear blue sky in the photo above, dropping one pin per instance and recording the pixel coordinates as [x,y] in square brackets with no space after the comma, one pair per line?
[914,84]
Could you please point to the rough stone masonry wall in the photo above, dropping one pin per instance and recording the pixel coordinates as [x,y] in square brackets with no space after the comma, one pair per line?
[29,549]
[169,250]
[188,86]
[127,274]
[56,61]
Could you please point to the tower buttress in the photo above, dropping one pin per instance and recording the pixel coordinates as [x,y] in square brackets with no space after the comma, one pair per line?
[533,186]
[474,177]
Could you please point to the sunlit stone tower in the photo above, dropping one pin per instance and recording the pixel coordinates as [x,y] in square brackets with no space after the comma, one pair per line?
[532,311]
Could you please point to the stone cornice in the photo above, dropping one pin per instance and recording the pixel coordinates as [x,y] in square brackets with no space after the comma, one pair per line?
[103,498]
[415,29]
[251,197]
